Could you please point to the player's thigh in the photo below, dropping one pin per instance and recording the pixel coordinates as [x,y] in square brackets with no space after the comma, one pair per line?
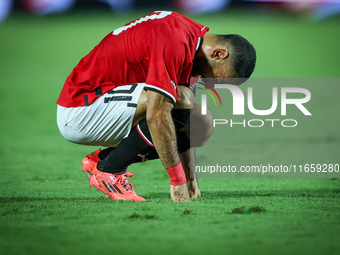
[140,113]
[105,122]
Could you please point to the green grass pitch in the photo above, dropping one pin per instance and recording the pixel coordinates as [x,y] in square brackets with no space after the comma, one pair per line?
[47,207]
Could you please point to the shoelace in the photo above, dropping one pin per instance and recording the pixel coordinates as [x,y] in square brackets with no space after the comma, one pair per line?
[125,182]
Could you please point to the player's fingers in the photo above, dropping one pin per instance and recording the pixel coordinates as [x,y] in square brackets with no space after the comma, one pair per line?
[184,199]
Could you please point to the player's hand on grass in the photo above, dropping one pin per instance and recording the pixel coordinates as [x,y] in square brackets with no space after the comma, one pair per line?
[193,189]
[179,193]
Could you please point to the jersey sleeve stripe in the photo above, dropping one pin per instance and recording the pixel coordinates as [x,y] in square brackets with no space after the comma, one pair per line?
[161,91]
[199,42]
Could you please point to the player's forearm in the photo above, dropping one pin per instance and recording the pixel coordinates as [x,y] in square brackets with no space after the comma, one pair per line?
[188,159]
[164,138]
[162,130]
[189,163]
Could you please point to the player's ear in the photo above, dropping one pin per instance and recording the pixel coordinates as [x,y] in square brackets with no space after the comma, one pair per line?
[219,53]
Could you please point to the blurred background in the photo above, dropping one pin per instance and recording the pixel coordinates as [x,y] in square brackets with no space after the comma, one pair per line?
[293,38]
[46,202]
[42,40]
[318,9]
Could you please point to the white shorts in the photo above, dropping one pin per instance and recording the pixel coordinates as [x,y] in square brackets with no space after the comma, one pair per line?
[105,122]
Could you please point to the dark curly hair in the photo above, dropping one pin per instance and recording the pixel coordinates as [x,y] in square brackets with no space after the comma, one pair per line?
[242,53]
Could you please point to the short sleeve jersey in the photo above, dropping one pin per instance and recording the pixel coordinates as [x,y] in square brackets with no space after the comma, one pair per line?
[157,49]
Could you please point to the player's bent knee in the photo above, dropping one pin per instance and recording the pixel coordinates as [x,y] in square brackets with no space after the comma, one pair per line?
[181,117]
[201,128]
[185,98]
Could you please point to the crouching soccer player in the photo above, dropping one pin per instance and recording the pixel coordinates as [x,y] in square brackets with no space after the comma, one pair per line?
[127,91]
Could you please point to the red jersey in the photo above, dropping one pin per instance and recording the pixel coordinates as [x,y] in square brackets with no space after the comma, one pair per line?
[158,50]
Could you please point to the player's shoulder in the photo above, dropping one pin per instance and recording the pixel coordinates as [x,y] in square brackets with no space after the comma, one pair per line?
[179,21]
[166,19]
[158,21]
